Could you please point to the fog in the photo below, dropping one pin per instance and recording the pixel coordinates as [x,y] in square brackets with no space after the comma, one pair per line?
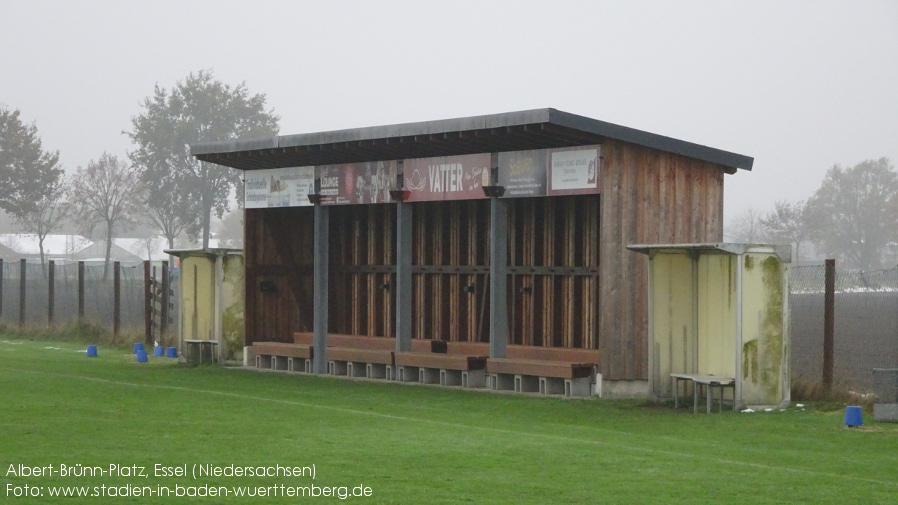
[799,86]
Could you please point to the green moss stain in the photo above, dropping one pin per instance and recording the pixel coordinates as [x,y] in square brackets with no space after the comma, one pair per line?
[749,262]
[750,361]
[773,324]
[232,330]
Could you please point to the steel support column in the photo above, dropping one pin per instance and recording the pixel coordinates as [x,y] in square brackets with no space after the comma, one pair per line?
[320,280]
[403,296]
[498,277]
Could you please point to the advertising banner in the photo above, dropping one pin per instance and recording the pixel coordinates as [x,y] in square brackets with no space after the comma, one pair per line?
[446,177]
[278,187]
[543,172]
[357,183]
[574,171]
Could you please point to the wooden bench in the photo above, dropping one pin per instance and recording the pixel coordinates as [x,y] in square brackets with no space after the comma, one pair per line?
[547,370]
[295,357]
[448,364]
[364,356]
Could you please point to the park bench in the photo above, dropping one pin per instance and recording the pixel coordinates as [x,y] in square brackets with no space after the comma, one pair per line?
[547,370]
[295,357]
[448,364]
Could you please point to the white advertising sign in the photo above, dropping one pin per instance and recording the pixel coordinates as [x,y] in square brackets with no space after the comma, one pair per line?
[278,187]
[574,169]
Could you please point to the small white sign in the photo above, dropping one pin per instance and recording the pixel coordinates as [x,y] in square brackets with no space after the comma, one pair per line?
[574,169]
[278,187]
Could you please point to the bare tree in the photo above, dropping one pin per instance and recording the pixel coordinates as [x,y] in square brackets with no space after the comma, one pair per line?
[747,227]
[107,193]
[786,224]
[50,211]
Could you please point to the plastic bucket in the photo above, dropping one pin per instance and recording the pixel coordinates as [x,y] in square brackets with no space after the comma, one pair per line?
[853,417]
[138,346]
[91,351]
[171,352]
[159,351]
[141,356]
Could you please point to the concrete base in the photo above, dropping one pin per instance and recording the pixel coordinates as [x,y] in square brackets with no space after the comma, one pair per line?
[263,361]
[450,377]
[299,365]
[885,412]
[428,376]
[551,386]
[501,382]
[248,355]
[376,371]
[337,368]
[408,374]
[473,378]
[526,384]
[391,373]
[279,363]
[354,369]
[577,387]
[636,389]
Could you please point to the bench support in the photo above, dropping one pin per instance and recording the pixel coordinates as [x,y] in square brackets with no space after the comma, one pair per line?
[473,378]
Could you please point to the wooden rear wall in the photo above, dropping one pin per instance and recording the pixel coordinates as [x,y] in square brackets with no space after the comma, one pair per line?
[647,197]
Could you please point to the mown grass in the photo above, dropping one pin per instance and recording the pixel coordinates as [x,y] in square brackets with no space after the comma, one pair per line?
[414,444]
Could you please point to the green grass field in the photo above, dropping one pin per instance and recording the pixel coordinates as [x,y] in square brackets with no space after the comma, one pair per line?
[408,444]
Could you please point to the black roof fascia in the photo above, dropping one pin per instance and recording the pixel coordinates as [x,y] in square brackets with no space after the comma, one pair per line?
[530,129]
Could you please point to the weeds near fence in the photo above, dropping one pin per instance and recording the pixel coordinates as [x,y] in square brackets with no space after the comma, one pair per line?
[84,332]
[832,398]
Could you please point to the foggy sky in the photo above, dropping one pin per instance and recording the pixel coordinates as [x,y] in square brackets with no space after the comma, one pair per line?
[799,86]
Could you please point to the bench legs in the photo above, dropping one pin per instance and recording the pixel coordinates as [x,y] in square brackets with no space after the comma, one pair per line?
[473,378]
[551,386]
[429,376]
[408,374]
[450,377]
[501,382]
[299,365]
[376,371]
[263,361]
[526,384]
[577,387]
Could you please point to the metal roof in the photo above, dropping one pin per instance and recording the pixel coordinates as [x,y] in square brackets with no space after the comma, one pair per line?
[512,131]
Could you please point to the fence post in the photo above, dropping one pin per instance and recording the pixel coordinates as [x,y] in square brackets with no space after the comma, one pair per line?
[51,290]
[116,300]
[22,279]
[829,305]
[147,303]
[163,323]
[1,288]
[80,292]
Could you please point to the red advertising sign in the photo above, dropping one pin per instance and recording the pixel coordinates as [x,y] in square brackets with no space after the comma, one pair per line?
[354,183]
[446,177]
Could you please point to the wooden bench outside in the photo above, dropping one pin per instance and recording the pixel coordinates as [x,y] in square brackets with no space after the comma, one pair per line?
[295,357]
[547,370]
[448,364]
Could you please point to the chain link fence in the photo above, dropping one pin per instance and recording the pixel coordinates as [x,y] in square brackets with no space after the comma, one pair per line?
[99,294]
[866,325]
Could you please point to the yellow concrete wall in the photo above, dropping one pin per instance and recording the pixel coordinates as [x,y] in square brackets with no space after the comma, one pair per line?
[717,314]
[197,298]
[672,334]
[233,305]
[765,364]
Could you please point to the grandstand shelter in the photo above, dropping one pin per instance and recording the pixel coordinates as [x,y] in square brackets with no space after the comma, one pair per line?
[508,229]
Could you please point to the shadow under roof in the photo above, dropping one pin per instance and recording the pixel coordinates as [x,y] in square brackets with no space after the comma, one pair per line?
[512,131]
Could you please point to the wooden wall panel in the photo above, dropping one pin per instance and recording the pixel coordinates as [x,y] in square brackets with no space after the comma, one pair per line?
[647,197]
[278,255]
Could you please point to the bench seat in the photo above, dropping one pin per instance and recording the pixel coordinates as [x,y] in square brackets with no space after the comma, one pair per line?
[539,368]
[441,361]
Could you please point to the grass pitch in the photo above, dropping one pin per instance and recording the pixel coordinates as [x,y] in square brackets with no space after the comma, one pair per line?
[403,443]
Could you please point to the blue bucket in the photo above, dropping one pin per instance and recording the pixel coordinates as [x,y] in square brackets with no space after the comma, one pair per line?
[158,351]
[853,417]
[91,351]
[141,356]
[138,346]
[171,352]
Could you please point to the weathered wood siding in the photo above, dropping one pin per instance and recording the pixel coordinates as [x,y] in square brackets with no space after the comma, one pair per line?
[278,254]
[647,197]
